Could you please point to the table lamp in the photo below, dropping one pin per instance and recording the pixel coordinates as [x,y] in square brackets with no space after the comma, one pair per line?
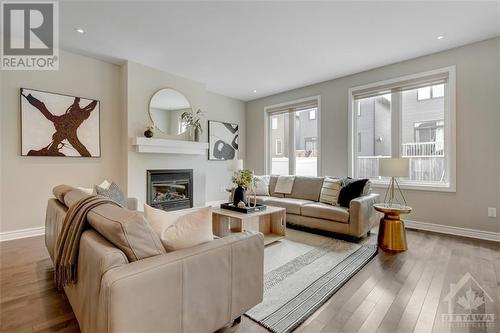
[394,168]
[235,165]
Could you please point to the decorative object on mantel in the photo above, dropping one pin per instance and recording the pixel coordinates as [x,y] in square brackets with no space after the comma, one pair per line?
[193,122]
[223,140]
[244,180]
[165,110]
[149,133]
[167,146]
[75,119]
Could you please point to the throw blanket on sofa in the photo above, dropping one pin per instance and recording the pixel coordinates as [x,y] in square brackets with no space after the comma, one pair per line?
[284,184]
[68,242]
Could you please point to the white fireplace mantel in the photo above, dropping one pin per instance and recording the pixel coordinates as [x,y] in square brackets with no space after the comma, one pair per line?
[167,146]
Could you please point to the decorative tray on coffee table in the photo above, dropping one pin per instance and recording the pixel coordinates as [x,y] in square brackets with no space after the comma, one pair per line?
[246,209]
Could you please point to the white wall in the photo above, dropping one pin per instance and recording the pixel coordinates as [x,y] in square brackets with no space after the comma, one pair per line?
[478,134]
[209,176]
[27,182]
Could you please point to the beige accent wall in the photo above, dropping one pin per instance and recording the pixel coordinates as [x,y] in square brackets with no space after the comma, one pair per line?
[27,182]
[210,177]
[478,132]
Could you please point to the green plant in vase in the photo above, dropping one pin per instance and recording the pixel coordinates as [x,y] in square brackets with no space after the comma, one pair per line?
[245,180]
[193,123]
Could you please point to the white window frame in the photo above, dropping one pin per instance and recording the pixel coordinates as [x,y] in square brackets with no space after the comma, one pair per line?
[314,114]
[280,152]
[450,129]
[291,144]
[274,121]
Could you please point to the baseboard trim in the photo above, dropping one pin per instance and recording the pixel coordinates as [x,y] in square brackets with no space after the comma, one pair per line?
[450,230]
[21,233]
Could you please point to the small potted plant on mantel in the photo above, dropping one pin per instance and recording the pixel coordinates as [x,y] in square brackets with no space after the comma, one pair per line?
[193,122]
[245,180]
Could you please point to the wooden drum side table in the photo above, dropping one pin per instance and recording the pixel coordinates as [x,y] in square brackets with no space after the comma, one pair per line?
[392,234]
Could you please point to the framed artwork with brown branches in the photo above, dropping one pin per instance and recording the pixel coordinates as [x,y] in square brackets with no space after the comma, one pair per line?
[59,125]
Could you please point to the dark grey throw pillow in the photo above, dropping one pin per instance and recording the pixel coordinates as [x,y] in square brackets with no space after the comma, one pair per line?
[114,193]
[351,189]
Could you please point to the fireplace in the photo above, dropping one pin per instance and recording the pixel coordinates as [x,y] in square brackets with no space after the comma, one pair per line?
[170,189]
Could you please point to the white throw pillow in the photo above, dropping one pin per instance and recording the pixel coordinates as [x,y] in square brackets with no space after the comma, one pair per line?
[330,190]
[181,229]
[91,191]
[262,185]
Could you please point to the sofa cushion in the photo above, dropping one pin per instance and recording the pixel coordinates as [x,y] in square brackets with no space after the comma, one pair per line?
[113,192]
[272,187]
[182,228]
[307,188]
[60,192]
[291,205]
[330,190]
[325,211]
[127,230]
[261,199]
[262,185]
[351,189]
[73,196]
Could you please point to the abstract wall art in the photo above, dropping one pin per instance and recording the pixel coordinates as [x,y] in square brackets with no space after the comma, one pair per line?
[222,140]
[59,125]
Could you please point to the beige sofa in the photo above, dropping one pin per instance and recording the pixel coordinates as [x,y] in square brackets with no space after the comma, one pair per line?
[304,209]
[198,289]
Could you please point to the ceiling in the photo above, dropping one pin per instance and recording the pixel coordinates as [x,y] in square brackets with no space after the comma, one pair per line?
[248,50]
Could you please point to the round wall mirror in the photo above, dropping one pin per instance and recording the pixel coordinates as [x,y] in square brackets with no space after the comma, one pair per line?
[165,110]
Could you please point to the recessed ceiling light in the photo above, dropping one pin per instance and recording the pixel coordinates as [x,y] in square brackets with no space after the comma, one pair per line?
[439,37]
[80,30]
[254,91]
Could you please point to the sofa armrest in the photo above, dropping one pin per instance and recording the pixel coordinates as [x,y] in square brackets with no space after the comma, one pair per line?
[132,203]
[96,257]
[198,289]
[362,215]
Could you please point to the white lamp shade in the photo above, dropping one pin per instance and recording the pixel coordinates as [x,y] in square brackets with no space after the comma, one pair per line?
[236,165]
[394,167]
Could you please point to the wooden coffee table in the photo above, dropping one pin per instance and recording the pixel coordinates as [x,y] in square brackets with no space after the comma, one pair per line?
[271,222]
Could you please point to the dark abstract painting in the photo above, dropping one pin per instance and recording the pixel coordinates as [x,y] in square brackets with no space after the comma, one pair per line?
[222,140]
[59,125]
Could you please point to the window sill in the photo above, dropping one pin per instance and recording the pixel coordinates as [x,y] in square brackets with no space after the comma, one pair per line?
[416,187]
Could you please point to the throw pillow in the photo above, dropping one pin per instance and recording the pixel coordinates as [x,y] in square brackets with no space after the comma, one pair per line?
[113,192]
[181,229]
[351,189]
[91,191]
[262,185]
[330,190]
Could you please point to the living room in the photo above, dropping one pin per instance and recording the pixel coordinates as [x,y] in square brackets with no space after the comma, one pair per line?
[250,166]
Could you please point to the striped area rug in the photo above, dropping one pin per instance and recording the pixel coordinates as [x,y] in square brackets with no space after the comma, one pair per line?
[301,273]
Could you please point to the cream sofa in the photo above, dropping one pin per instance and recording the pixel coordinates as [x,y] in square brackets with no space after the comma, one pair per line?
[304,209]
[198,289]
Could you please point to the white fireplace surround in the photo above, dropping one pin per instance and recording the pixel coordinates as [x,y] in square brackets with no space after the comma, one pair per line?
[167,146]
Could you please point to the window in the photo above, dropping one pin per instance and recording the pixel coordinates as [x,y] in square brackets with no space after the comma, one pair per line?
[429,92]
[312,114]
[395,124]
[293,145]
[274,121]
[279,147]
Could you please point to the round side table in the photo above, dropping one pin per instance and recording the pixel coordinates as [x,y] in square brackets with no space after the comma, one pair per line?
[392,234]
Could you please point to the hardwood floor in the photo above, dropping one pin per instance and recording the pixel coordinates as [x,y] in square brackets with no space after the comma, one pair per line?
[393,293]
